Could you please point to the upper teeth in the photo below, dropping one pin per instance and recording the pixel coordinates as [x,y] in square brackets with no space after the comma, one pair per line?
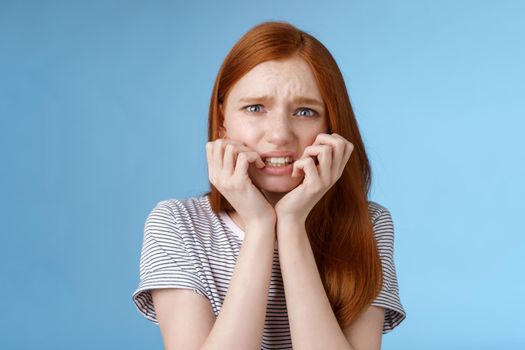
[279,160]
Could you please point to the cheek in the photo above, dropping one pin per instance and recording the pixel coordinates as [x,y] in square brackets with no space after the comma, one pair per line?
[309,132]
[246,138]
[243,131]
[309,139]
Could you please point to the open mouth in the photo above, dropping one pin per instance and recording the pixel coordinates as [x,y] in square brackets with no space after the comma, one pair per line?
[278,161]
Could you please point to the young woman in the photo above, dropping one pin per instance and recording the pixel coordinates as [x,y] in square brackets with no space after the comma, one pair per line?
[286,249]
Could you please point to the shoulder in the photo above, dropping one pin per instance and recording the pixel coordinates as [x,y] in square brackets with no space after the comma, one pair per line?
[182,209]
[378,212]
[181,215]
[382,222]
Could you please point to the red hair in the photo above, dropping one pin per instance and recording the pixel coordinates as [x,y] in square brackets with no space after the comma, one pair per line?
[339,226]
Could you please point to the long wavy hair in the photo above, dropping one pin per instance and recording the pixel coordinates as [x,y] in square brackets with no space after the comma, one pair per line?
[339,226]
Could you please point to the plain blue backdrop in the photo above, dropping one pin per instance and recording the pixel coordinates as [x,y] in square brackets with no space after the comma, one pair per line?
[103,113]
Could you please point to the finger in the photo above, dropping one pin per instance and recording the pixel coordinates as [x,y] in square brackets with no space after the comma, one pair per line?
[209,158]
[218,152]
[348,152]
[308,167]
[229,159]
[324,155]
[339,144]
[220,148]
[243,162]
[259,163]
[348,149]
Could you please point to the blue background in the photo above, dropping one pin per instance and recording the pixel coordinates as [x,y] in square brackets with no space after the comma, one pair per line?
[103,113]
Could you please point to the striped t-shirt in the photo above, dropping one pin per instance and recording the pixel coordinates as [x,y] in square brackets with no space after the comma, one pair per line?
[186,245]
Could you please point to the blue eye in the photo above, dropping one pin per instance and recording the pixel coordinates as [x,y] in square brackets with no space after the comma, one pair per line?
[308,109]
[252,106]
[312,112]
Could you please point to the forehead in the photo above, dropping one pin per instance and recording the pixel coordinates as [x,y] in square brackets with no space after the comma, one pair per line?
[287,78]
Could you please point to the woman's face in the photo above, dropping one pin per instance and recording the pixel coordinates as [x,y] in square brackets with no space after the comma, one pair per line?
[275,107]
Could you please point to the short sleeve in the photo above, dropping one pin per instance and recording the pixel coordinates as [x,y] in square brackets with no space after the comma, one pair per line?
[388,298]
[164,260]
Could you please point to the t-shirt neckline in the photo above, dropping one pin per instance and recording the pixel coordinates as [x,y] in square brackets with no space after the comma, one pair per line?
[232,225]
[237,231]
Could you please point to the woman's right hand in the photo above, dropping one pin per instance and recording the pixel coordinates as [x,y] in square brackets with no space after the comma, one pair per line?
[228,163]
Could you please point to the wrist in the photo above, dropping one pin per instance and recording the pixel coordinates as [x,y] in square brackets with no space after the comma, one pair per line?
[290,226]
[258,224]
[291,220]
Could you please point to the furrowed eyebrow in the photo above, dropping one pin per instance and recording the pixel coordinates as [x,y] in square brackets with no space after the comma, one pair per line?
[308,100]
[298,100]
[256,99]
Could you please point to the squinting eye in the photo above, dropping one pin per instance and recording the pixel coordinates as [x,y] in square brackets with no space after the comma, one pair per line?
[308,109]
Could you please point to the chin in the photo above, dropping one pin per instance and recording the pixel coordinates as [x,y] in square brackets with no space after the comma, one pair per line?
[277,185]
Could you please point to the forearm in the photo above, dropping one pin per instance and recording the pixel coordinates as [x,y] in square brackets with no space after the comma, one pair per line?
[240,323]
[313,324]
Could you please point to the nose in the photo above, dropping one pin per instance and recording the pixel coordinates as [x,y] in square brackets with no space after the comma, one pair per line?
[278,129]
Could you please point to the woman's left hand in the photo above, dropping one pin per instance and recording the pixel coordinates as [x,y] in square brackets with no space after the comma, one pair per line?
[332,152]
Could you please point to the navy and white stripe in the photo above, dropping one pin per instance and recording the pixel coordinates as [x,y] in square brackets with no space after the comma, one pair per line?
[186,245]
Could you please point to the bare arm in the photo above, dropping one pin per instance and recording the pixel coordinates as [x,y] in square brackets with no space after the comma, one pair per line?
[313,324]
[186,318]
